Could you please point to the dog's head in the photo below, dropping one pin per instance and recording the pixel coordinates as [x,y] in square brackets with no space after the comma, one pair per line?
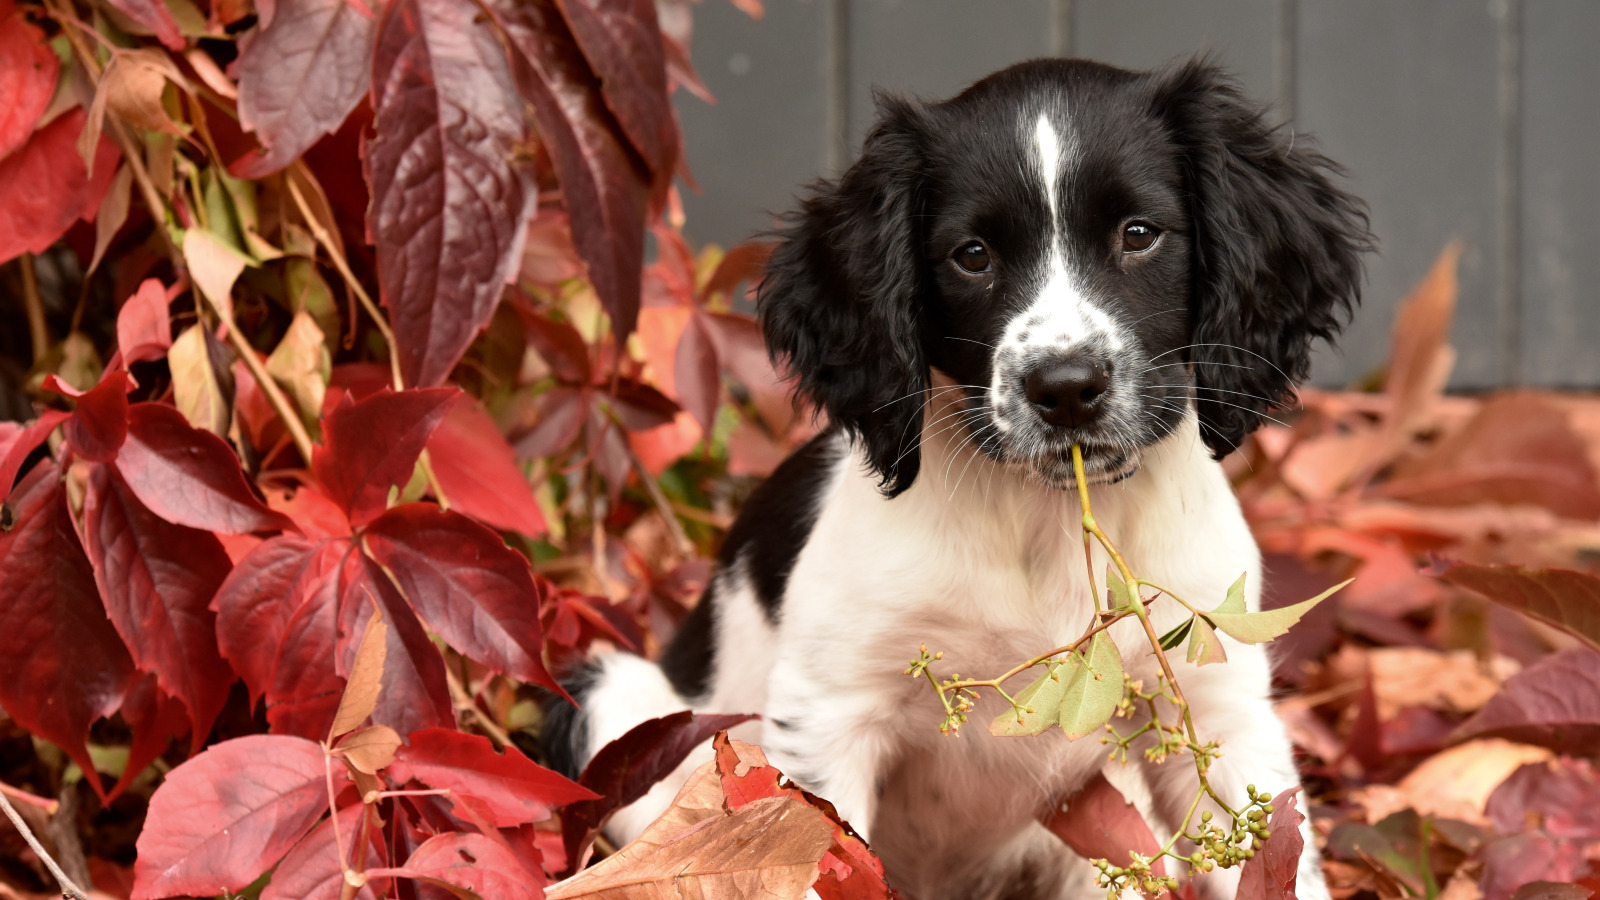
[1084,251]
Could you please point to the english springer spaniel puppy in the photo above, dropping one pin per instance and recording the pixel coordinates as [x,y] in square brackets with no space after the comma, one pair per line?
[1065,252]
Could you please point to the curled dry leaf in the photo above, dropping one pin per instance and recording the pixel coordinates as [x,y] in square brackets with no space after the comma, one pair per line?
[214,266]
[1567,599]
[369,749]
[365,681]
[195,383]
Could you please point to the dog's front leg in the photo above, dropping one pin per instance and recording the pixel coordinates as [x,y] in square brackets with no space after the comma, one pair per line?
[1230,704]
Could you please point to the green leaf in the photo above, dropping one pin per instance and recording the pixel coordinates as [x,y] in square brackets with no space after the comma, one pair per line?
[1119,590]
[1044,696]
[1260,627]
[1204,645]
[1092,693]
[1175,637]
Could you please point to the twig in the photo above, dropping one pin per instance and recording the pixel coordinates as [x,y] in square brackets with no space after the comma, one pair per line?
[275,396]
[464,702]
[663,506]
[38,331]
[68,888]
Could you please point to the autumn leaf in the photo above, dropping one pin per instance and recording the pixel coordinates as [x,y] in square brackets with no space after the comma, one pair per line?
[144,328]
[99,425]
[188,476]
[506,787]
[153,15]
[24,440]
[1098,823]
[365,681]
[44,186]
[450,197]
[214,828]
[1567,599]
[28,71]
[196,381]
[478,471]
[1553,703]
[1271,873]
[371,446]
[475,863]
[311,871]
[369,749]
[1204,646]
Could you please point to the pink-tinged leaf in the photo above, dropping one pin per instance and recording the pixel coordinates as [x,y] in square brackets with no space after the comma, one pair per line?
[144,327]
[560,346]
[694,374]
[450,197]
[1097,822]
[1516,860]
[189,476]
[311,870]
[1564,598]
[506,788]
[28,71]
[1560,798]
[1270,874]
[415,692]
[156,717]
[621,39]
[562,412]
[153,14]
[157,580]
[742,351]
[628,767]
[743,264]
[299,78]
[100,423]
[604,184]
[1554,703]
[225,816]
[62,665]
[310,510]
[15,452]
[471,589]
[475,863]
[478,471]
[640,407]
[373,445]
[44,187]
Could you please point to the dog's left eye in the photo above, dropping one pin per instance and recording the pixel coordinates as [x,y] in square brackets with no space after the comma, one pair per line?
[973,257]
[1138,237]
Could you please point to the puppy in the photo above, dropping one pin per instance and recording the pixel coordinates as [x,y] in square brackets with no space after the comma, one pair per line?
[1065,252]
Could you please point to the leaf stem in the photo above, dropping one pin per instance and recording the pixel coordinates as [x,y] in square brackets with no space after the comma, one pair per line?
[38,331]
[68,889]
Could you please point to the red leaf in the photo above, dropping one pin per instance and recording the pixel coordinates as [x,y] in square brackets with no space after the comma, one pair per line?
[560,346]
[310,510]
[1270,874]
[506,788]
[100,423]
[640,407]
[1097,822]
[261,594]
[311,870]
[694,374]
[144,328]
[62,665]
[1553,703]
[470,588]
[225,816]
[373,445]
[604,185]
[622,42]
[743,263]
[562,412]
[153,14]
[15,452]
[628,767]
[450,200]
[1560,798]
[742,351]
[299,78]
[156,718]
[476,863]
[478,471]
[415,692]
[28,71]
[44,187]
[157,580]
[189,476]
[1561,597]
[1519,859]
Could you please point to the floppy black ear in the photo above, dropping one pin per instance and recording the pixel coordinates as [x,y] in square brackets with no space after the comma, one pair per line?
[839,303]
[1277,250]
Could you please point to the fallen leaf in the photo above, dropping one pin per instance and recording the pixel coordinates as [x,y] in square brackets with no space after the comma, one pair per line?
[1553,703]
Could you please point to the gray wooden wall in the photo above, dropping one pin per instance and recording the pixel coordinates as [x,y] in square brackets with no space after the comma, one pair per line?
[1470,119]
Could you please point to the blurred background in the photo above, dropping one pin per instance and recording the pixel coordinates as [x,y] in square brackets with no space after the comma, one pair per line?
[1469,119]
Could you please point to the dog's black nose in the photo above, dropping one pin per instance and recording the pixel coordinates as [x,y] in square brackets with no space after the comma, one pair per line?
[1067,391]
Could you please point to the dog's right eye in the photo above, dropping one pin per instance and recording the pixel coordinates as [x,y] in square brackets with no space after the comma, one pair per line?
[973,257]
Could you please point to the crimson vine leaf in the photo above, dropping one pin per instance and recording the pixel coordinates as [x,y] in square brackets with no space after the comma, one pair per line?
[226,815]
[300,76]
[62,665]
[1271,873]
[99,425]
[471,589]
[311,871]
[1553,703]
[604,183]
[478,471]
[1098,822]
[15,449]
[154,15]
[505,789]
[155,717]
[44,187]
[415,692]
[450,198]
[476,863]
[373,445]
[144,327]
[157,580]
[189,476]
[254,603]
[622,43]
[28,72]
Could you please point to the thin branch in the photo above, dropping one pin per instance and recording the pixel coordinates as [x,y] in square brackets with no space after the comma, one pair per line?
[464,702]
[68,888]
[38,331]
[252,362]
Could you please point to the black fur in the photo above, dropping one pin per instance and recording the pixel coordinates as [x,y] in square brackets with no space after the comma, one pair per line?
[1278,247]
[561,735]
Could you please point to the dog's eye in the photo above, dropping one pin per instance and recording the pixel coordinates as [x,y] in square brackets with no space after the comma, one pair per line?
[1138,237]
[973,257]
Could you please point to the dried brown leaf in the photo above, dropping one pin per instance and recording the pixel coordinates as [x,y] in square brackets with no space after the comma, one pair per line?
[366,678]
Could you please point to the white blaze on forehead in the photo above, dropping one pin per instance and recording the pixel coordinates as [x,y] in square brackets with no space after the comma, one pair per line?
[1048,146]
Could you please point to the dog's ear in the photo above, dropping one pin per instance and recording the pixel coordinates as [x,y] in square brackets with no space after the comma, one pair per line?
[839,303]
[1278,245]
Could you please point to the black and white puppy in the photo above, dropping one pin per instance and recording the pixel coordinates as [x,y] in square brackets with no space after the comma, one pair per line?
[1066,252]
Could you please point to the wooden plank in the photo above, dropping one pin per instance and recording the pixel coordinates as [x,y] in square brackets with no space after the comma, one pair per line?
[1404,95]
[1561,191]
[767,134]
[1143,34]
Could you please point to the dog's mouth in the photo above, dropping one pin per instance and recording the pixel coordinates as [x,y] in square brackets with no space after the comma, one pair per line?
[1102,464]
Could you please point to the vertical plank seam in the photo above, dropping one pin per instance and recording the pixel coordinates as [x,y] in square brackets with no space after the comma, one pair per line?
[1508,192]
[836,80]
[1285,56]
[1061,28]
